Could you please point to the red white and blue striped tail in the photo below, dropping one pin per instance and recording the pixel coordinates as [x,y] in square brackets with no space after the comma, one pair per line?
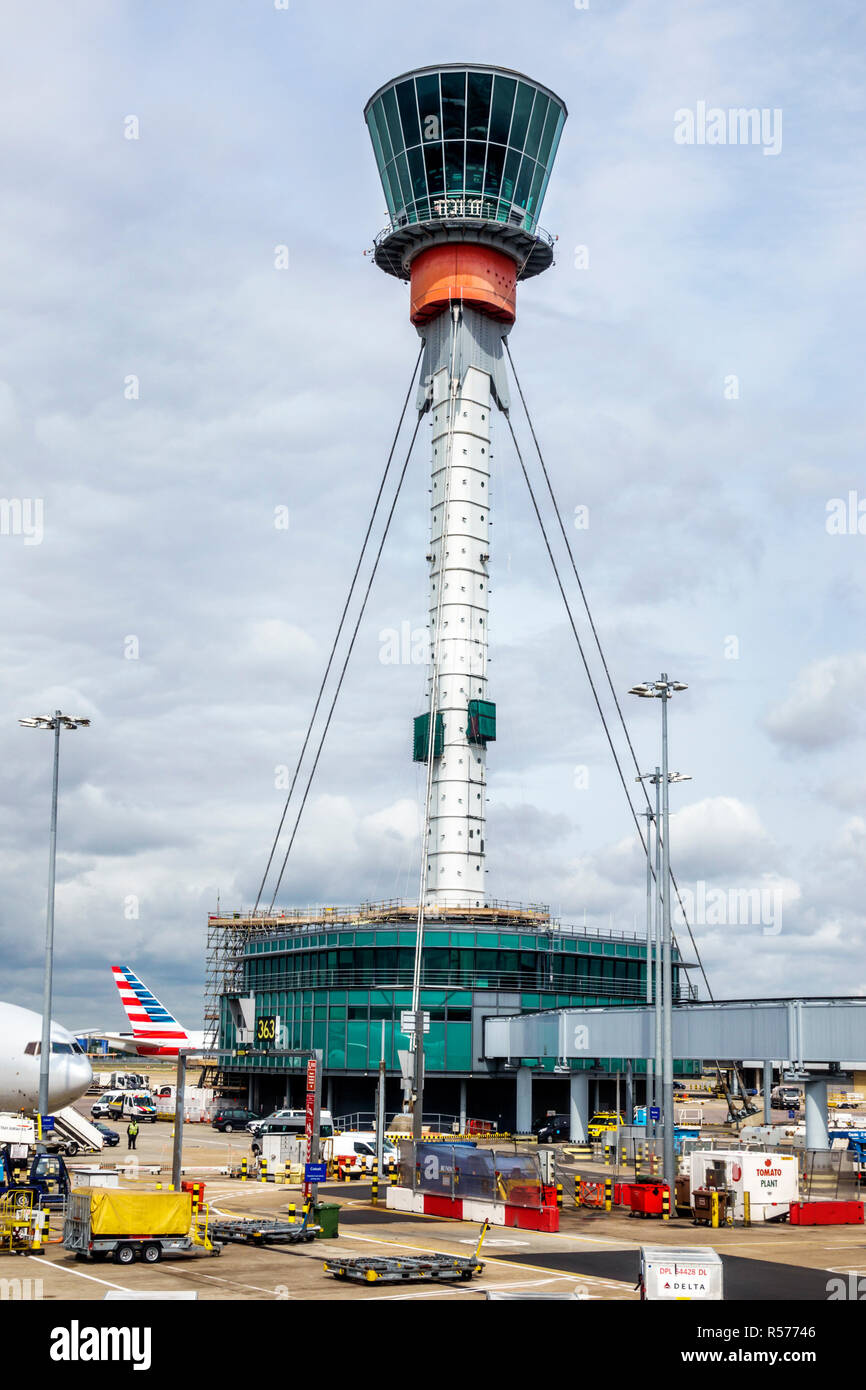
[150,1020]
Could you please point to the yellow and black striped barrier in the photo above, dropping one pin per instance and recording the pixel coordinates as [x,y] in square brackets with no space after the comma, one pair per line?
[577,1189]
[666,1203]
[243,1170]
[559,1195]
[263,1170]
[375,1185]
[608,1194]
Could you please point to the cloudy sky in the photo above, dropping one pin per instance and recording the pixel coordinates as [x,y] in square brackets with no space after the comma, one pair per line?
[695,373]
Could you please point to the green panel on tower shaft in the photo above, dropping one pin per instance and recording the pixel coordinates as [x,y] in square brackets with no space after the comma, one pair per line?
[482,721]
[421,743]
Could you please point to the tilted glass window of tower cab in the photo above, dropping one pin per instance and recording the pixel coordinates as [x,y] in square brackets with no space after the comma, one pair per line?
[465,141]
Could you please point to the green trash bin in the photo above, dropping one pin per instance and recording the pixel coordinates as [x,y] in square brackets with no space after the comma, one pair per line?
[327,1215]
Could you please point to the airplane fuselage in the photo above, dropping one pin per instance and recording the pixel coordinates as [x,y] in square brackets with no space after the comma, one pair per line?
[69,1073]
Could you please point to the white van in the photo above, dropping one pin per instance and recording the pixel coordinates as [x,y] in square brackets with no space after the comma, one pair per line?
[358,1144]
[128,1105]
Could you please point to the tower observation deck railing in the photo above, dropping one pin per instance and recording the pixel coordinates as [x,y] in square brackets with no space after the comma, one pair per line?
[540,981]
[462,207]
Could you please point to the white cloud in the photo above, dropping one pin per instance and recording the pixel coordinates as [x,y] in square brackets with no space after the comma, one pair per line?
[824,706]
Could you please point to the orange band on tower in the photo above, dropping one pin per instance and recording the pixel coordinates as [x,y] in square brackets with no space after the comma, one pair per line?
[463,273]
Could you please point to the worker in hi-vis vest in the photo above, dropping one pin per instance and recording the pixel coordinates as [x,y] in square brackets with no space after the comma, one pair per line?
[131,1133]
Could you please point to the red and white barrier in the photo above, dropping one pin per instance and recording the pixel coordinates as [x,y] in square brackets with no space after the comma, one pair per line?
[545,1218]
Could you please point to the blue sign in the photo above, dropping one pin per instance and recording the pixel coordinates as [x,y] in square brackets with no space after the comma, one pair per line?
[47,1124]
[315,1172]
[792,1114]
[655,1113]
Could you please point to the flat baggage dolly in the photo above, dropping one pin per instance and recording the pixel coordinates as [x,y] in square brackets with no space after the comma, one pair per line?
[255,1231]
[374,1268]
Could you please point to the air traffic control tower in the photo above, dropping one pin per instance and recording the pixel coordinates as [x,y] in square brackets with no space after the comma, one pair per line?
[464,155]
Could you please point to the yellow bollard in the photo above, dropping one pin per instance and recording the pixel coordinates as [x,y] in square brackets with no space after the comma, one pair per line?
[292,1211]
[714,1210]
[263,1170]
[243,1170]
[608,1194]
[747,1208]
[577,1189]
[666,1204]
[559,1195]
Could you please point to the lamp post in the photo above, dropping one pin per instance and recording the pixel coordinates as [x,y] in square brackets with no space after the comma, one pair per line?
[55,722]
[656,995]
[663,689]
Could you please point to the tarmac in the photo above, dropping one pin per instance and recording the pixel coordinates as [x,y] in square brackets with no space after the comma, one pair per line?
[594,1255]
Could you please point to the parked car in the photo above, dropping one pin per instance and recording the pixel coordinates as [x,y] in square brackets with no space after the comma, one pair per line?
[290,1122]
[231,1117]
[552,1129]
[110,1137]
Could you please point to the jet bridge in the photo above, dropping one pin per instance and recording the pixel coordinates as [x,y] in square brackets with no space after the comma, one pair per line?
[815,1037]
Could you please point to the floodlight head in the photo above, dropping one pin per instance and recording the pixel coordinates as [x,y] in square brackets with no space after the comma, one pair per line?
[678,685]
[464,152]
[645,691]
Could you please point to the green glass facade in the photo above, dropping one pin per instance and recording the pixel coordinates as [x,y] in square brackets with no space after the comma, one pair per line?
[483,138]
[334,989]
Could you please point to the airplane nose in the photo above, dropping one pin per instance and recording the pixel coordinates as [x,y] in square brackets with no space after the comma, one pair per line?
[77,1076]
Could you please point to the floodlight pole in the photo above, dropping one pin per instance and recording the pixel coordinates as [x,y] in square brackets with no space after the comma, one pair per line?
[48,982]
[667,972]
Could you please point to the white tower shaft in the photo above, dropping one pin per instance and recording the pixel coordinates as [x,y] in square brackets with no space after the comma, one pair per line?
[459,550]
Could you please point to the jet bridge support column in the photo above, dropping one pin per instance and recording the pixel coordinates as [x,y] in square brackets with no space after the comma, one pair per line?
[524,1100]
[578,1096]
[817,1135]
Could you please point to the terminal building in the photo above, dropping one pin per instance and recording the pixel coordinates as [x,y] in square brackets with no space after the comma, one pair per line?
[338,980]
[465,154]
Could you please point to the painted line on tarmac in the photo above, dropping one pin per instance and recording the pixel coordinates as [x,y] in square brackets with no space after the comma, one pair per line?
[516,1287]
[220,1279]
[510,1264]
[78,1274]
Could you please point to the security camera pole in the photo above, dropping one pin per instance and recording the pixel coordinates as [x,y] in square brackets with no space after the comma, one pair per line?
[56,722]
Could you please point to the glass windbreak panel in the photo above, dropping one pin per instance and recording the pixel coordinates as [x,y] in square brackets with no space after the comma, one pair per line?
[478,88]
[428,107]
[454,105]
[408,112]
[500,111]
[474,166]
[536,125]
[435,175]
[454,165]
[522,111]
[356,1049]
[549,131]
[377,115]
[392,115]
[518,1178]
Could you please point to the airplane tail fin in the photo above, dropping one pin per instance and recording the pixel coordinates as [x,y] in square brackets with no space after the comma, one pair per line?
[148,1017]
